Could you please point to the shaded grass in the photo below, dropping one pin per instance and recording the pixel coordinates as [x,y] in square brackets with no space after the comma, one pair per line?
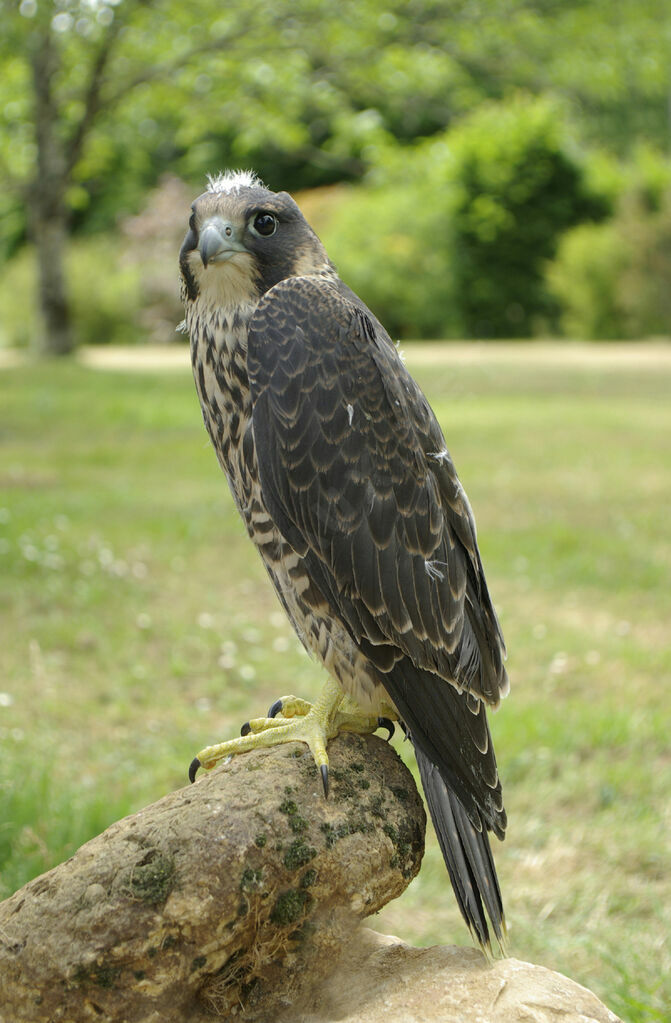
[138,625]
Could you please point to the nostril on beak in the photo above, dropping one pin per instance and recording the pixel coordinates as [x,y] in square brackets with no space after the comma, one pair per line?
[218,241]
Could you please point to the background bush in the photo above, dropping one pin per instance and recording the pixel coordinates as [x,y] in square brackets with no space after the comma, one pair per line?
[463,235]
[151,242]
[612,280]
[124,284]
[106,295]
[454,240]
[393,248]
[583,279]
[517,185]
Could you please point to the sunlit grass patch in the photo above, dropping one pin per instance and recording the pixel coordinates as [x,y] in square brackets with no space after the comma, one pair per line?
[139,625]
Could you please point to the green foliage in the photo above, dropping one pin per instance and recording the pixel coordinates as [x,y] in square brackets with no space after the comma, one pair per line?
[646,171]
[307,90]
[150,242]
[516,188]
[648,175]
[612,280]
[313,92]
[392,248]
[453,237]
[18,300]
[583,278]
[105,291]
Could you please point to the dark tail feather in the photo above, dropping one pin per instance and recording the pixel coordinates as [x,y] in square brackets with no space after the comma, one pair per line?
[468,858]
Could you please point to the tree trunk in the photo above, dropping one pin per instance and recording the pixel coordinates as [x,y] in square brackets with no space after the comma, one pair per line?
[50,237]
[46,203]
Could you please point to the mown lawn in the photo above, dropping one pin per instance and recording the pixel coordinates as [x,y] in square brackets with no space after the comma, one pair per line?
[137,625]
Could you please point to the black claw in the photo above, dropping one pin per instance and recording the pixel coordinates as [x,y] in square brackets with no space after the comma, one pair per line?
[246,728]
[388,724]
[275,709]
[325,779]
[195,764]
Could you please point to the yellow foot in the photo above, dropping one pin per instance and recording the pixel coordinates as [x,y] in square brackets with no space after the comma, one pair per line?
[289,707]
[291,719]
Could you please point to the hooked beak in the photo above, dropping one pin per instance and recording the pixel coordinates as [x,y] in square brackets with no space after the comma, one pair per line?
[219,241]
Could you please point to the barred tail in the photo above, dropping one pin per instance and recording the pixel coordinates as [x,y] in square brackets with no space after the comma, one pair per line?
[468,858]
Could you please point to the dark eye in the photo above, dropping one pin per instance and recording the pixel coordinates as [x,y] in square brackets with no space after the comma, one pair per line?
[192,221]
[265,224]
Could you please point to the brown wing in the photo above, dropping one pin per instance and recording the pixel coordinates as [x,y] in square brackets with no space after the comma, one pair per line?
[356,475]
[355,472]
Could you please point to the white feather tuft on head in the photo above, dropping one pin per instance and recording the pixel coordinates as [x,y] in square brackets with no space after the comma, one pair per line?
[233,181]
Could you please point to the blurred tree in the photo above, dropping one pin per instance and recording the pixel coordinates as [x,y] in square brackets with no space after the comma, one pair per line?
[60,61]
[612,279]
[517,186]
[151,239]
[467,221]
[101,96]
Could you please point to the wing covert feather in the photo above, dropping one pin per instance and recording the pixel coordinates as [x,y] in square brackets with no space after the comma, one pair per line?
[354,470]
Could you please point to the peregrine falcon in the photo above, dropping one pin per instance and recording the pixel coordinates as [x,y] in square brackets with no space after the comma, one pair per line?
[341,474]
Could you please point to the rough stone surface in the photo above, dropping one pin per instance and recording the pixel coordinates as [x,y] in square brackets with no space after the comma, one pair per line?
[382,980]
[241,897]
[218,898]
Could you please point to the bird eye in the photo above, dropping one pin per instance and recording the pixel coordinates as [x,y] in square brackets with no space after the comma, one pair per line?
[265,224]
[192,221]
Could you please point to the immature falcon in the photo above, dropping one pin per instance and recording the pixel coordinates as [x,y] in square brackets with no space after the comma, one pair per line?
[340,472]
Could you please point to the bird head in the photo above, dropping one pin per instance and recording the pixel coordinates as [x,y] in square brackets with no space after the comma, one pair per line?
[243,239]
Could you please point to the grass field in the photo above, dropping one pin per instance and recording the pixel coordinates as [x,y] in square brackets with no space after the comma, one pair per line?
[138,625]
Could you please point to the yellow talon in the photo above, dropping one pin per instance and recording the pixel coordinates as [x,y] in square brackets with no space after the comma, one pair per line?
[289,707]
[297,721]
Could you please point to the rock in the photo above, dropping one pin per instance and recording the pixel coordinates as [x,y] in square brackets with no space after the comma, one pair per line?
[232,892]
[240,898]
[382,980]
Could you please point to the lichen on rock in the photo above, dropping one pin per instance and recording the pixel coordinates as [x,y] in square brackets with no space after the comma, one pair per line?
[202,903]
